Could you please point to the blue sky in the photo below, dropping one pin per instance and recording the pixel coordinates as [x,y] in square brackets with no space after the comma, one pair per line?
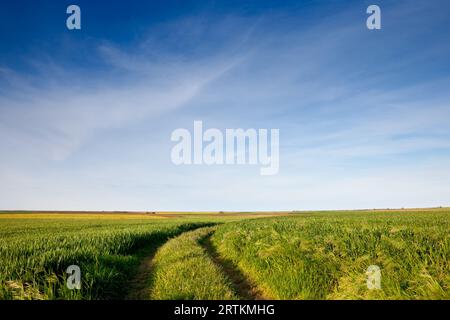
[86,116]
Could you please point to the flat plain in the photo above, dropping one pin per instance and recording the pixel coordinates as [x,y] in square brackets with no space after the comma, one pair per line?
[226,255]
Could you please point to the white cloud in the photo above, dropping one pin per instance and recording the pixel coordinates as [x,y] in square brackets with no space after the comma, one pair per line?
[99,140]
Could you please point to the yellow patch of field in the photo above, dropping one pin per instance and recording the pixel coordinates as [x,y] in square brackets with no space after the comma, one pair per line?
[255,214]
[87,216]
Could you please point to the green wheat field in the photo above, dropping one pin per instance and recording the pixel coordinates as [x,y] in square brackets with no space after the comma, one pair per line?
[221,255]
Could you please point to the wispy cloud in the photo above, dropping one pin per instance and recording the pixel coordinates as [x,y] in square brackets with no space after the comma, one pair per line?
[362,116]
[54,120]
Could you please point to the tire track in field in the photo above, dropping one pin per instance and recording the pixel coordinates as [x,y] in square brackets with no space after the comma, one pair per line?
[242,286]
[140,286]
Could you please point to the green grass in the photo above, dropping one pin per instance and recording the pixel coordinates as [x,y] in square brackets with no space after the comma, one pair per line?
[35,253]
[184,270]
[325,255]
[301,255]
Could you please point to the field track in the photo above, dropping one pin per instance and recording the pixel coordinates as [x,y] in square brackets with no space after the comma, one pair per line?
[242,286]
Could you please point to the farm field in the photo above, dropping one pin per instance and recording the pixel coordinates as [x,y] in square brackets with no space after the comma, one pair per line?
[174,255]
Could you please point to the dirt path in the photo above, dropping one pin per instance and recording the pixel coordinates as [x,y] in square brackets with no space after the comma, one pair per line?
[242,286]
[139,286]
